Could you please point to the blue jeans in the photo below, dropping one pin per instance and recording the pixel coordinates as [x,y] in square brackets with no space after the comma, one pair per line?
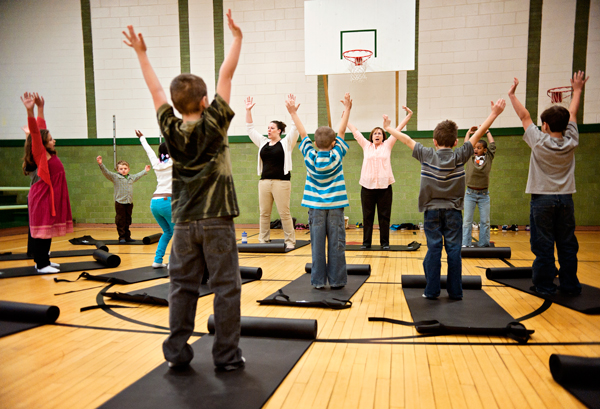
[328,224]
[552,220]
[161,210]
[481,198]
[443,229]
[200,244]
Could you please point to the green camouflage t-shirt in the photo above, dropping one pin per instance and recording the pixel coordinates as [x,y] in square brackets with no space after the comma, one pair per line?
[202,177]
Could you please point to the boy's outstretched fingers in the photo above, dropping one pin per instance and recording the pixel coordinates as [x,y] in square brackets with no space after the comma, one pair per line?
[235,30]
[99,160]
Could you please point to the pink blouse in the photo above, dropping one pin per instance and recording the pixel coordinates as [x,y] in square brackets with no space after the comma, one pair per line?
[376,172]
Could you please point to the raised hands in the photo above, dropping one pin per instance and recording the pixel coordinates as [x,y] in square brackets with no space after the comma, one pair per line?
[578,81]
[147,168]
[28,100]
[346,101]
[386,121]
[39,100]
[139,134]
[513,87]
[472,129]
[235,30]
[249,102]
[135,41]
[99,160]
[290,104]
[499,106]
[409,112]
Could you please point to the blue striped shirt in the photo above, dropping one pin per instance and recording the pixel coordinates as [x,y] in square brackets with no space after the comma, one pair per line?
[325,187]
[442,176]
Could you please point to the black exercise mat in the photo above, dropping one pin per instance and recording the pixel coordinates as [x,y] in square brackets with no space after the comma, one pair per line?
[578,375]
[588,302]
[300,293]
[135,275]
[476,314]
[90,241]
[394,247]
[159,294]
[485,252]
[54,254]
[275,246]
[16,316]
[268,361]
[102,260]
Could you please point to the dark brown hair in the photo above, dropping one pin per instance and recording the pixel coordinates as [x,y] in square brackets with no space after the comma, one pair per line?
[280,125]
[557,118]
[324,136]
[29,164]
[187,92]
[446,133]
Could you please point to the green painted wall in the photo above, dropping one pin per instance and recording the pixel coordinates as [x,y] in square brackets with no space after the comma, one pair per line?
[92,194]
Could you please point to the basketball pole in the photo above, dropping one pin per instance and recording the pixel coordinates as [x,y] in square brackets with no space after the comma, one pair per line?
[397,96]
[326,88]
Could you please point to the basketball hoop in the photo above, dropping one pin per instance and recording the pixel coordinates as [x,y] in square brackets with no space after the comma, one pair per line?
[358,63]
[560,95]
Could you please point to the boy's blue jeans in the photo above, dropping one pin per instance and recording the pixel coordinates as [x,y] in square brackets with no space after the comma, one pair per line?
[328,224]
[481,199]
[161,210]
[443,228]
[200,244]
[552,219]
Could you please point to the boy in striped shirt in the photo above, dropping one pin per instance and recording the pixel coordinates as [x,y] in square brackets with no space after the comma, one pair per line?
[441,198]
[325,196]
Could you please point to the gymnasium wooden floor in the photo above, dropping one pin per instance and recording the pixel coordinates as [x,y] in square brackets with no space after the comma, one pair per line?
[88,357]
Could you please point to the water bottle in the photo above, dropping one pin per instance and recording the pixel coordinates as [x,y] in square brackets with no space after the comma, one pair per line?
[244,238]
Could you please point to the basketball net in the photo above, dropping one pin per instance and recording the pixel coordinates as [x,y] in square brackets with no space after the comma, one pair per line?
[560,96]
[358,64]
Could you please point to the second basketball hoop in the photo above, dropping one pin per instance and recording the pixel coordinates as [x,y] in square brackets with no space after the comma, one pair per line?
[358,63]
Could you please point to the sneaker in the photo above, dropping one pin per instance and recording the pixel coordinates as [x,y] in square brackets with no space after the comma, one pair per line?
[290,247]
[130,240]
[541,292]
[232,367]
[158,265]
[122,241]
[505,227]
[48,270]
[339,287]
[385,247]
[455,298]
[429,298]
[55,265]
[365,246]
[174,365]
[527,228]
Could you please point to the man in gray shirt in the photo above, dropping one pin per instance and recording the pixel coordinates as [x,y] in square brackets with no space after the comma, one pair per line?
[551,183]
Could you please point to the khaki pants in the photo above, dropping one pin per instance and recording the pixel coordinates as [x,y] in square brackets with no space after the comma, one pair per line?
[278,190]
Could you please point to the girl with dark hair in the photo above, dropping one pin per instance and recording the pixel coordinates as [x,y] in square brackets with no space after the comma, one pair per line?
[48,200]
[274,166]
[160,205]
[376,179]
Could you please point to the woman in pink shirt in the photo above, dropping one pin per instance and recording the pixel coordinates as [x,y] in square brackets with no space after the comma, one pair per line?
[376,179]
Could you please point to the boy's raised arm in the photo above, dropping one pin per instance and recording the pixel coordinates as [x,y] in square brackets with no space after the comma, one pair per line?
[402,137]
[497,109]
[136,41]
[409,113]
[578,82]
[470,132]
[231,60]
[521,111]
[290,104]
[345,115]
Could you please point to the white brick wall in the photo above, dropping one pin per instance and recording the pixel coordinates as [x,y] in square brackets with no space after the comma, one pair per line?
[120,87]
[591,113]
[468,55]
[42,51]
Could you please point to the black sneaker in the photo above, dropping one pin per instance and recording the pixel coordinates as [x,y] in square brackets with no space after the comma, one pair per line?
[122,241]
[365,246]
[232,367]
[339,287]
[130,240]
[385,247]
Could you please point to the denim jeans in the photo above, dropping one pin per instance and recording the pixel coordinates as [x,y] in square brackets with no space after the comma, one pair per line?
[161,210]
[200,244]
[552,220]
[443,229]
[328,224]
[481,198]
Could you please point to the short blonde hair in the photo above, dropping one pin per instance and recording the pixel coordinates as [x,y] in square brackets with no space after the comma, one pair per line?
[324,137]
[122,162]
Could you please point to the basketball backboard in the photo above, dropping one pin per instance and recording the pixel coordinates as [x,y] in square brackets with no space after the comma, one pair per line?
[385,27]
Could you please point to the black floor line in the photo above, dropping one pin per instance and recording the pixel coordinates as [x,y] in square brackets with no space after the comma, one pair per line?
[76,291]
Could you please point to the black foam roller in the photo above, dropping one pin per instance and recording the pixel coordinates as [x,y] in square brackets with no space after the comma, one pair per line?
[575,369]
[485,252]
[151,239]
[508,272]
[108,259]
[273,327]
[419,281]
[23,312]
[251,273]
[101,246]
[261,247]
[351,269]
